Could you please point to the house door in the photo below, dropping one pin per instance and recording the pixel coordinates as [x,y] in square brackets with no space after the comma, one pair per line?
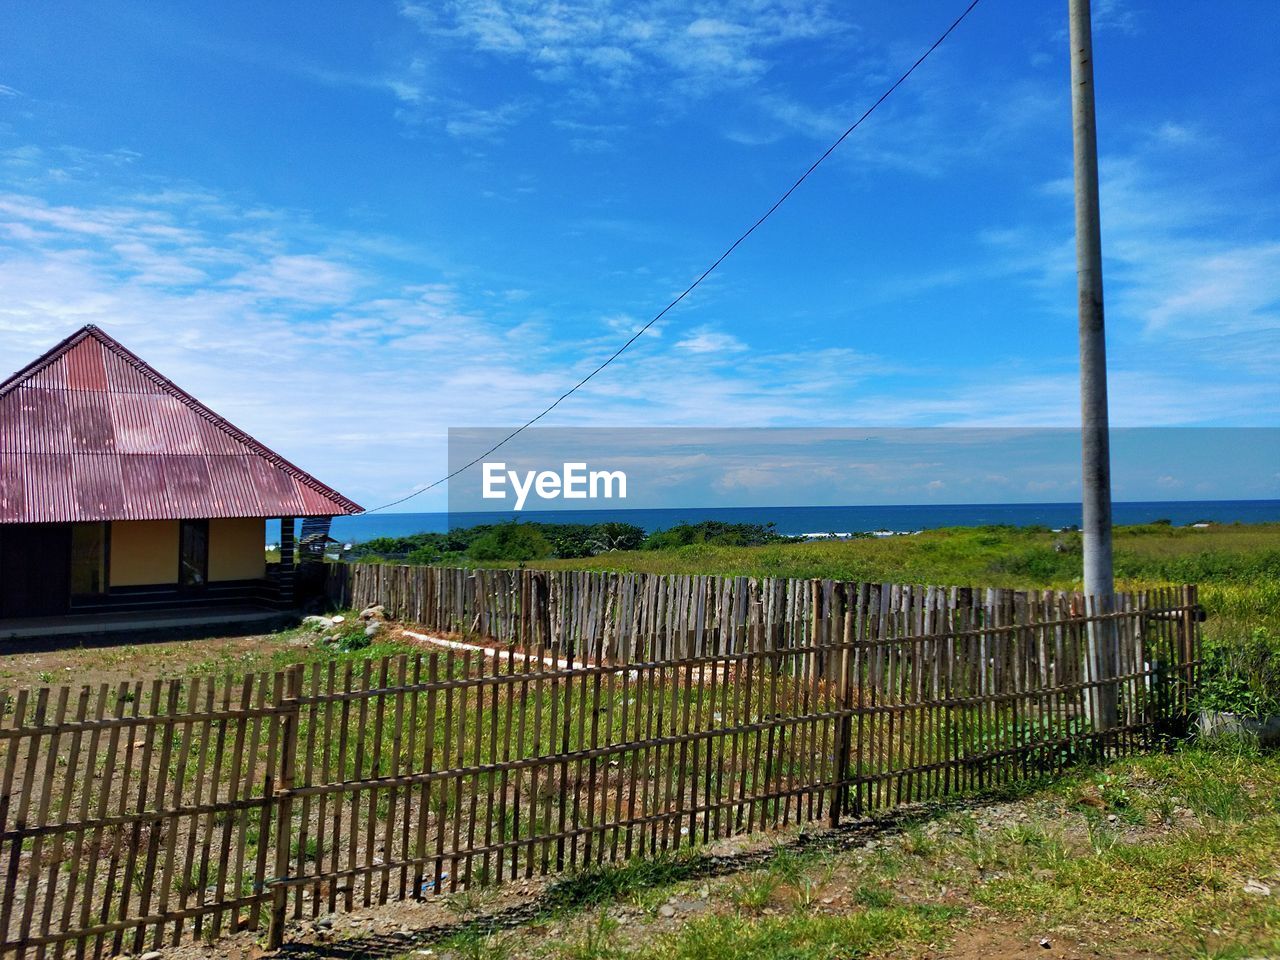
[35,570]
[193,555]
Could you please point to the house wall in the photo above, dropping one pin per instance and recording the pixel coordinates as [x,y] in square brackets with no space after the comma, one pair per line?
[143,552]
[237,549]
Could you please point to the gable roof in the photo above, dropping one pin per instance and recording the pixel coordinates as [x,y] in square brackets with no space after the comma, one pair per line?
[89,431]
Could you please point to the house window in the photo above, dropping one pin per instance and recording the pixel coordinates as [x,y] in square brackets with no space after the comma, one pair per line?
[193,553]
[88,559]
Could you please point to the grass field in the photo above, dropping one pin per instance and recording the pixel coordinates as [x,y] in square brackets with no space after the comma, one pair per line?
[1157,856]
[1237,566]
[997,556]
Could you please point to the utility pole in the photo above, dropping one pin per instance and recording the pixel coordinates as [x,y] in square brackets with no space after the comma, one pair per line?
[1096,448]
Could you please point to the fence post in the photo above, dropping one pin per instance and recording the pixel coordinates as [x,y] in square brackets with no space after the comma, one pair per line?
[1190,652]
[844,735]
[284,802]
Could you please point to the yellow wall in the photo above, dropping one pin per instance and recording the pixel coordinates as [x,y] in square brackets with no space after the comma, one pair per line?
[144,551]
[237,549]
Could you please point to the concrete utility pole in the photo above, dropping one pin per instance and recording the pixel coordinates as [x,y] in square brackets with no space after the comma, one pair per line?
[1096,448]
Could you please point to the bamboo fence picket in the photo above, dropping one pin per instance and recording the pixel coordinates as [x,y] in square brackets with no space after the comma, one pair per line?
[137,816]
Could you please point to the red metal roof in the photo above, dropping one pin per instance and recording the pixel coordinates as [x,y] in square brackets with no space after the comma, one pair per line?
[90,432]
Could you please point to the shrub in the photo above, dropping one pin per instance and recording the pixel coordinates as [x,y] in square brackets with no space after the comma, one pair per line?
[350,639]
[717,533]
[571,541]
[1242,676]
[513,542]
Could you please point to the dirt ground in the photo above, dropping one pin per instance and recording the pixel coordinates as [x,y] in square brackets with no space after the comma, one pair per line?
[996,938]
[116,662]
[236,654]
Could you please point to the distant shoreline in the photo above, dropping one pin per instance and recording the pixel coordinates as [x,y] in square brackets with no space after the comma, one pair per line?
[822,520]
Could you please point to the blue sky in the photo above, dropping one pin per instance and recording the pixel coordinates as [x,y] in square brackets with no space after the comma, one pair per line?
[349,227]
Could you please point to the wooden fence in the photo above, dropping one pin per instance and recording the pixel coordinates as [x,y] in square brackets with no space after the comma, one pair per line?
[140,814]
[630,616]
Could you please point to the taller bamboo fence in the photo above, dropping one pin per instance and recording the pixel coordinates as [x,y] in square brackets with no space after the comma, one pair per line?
[142,814]
[637,615]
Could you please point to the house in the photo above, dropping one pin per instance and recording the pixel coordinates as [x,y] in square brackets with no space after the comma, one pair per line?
[120,491]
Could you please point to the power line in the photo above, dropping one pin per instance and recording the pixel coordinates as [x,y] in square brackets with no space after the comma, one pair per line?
[705,273]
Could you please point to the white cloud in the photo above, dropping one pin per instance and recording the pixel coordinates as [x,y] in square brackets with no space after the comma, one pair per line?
[933,125]
[696,47]
[1139,396]
[627,325]
[474,122]
[704,340]
[1192,284]
[1114,15]
[754,478]
[246,307]
[1177,134]
[301,278]
[406,85]
[1225,290]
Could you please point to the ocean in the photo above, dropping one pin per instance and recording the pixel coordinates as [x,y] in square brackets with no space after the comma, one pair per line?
[798,521]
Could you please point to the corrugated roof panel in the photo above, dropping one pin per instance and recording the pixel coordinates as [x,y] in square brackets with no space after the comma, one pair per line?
[90,432]
[274,486]
[89,423]
[99,487]
[176,424]
[52,376]
[12,494]
[189,486]
[145,487]
[211,439]
[233,485]
[312,502]
[126,377]
[46,483]
[9,426]
[134,418]
[12,428]
[44,420]
[85,370]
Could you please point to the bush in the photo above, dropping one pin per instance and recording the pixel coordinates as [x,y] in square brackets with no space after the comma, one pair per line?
[350,639]
[1242,676]
[718,534]
[571,541]
[518,542]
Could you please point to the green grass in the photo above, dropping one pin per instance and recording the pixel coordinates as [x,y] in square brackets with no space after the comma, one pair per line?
[217,657]
[1236,566]
[1146,856]
[1180,885]
[632,882]
[796,936]
[995,556]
